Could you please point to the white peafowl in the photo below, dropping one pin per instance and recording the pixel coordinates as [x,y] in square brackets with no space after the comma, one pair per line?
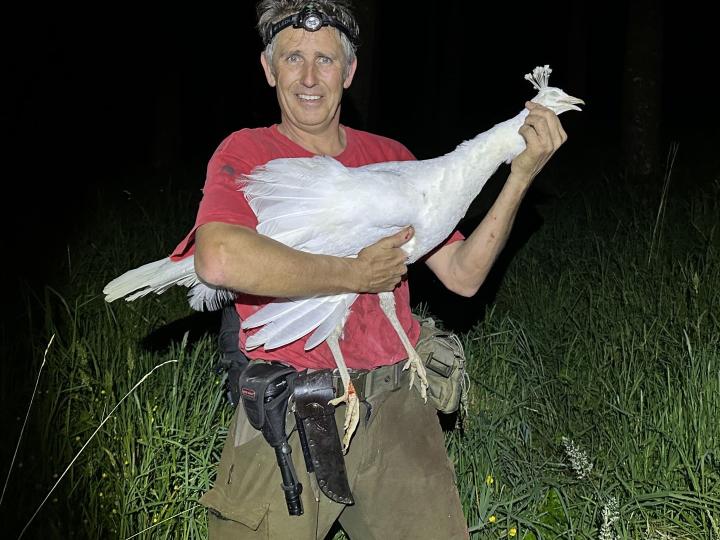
[320,206]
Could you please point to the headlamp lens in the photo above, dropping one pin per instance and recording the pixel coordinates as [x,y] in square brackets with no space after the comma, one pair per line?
[312,22]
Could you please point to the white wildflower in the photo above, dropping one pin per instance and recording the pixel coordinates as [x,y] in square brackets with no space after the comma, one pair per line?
[609,516]
[578,459]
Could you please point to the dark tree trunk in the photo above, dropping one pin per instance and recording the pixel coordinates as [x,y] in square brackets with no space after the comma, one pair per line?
[641,88]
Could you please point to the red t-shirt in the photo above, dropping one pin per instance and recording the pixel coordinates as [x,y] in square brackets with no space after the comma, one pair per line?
[369,340]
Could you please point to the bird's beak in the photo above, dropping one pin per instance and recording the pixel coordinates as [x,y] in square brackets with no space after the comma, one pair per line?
[573,102]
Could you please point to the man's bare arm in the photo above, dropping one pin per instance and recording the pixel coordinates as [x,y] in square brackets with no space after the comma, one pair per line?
[240,259]
[463,266]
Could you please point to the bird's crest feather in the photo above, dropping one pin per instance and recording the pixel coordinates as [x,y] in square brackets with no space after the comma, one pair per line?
[539,77]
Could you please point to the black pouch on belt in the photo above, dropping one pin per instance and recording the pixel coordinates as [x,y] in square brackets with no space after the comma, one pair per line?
[319,437]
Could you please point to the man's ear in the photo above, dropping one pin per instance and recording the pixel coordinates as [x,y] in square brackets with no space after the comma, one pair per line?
[350,75]
[268,70]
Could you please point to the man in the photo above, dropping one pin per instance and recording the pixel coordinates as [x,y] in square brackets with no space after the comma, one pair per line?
[401,479]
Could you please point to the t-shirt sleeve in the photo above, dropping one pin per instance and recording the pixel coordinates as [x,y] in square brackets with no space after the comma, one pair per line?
[456,236]
[222,199]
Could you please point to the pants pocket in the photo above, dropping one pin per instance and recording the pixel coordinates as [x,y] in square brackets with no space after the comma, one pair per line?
[245,481]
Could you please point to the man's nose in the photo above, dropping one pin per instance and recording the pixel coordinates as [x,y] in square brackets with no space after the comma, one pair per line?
[309,75]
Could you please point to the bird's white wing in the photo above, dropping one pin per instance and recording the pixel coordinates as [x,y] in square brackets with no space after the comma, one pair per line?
[158,276]
[320,206]
[315,205]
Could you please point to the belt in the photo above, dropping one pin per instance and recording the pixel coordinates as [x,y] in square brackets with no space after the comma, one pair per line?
[371,383]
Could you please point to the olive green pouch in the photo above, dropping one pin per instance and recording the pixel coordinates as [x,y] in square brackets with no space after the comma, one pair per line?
[444,358]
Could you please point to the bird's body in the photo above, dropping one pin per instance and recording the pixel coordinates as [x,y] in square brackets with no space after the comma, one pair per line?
[319,206]
[355,207]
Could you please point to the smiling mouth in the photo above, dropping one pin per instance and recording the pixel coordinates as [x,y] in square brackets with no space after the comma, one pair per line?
[307,97]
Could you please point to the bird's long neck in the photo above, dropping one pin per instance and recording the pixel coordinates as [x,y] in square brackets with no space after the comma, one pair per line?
[467,168]
[480,157]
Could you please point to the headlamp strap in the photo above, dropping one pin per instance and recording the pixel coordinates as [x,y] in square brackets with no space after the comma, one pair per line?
[311,19]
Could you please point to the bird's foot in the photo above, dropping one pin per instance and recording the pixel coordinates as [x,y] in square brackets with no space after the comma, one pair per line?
[415,365]
[352,413]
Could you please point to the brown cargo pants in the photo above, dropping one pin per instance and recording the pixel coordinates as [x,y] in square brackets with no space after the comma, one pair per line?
[401,478]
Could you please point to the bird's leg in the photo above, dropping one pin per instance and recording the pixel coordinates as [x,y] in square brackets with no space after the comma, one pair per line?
[414,362]
[349,397]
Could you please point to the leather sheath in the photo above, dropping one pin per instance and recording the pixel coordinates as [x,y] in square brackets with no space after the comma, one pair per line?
[319,435]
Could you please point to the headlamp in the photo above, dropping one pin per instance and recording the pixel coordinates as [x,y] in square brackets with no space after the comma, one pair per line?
[311,19]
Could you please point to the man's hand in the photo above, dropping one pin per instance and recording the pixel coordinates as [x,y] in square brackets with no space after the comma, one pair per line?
[543,135]
[382,265]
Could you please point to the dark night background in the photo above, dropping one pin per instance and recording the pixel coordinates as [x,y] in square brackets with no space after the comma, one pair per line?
[130,98]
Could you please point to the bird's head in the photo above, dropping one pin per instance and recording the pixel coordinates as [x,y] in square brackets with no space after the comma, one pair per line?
[549,96]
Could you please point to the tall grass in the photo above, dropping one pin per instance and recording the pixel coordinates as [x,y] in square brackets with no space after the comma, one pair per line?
[592,340]
[605,333]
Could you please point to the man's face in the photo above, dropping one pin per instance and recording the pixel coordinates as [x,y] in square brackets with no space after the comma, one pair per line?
[309,74]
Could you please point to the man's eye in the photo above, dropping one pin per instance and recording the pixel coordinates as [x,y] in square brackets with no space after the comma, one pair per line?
[324,60]
[294,58]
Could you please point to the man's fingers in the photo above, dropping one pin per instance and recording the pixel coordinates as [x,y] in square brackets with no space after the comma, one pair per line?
[385,262]
[549,138]
[529,134]
[556,131]
[399,238]
[540,124]
[563,135]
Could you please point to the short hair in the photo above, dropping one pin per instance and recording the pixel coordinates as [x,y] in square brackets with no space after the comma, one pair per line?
[270,12]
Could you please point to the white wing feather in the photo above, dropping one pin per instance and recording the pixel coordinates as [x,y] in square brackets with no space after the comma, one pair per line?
[272,311]
[158,276]
[202,297]
[296,198]
[155,277]
[336,318]
[288,321]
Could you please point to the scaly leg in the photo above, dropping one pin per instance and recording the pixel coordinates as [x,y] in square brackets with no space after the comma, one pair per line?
[350,398]
[414,362]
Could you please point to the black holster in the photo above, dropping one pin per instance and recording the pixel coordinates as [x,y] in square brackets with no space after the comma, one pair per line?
[265,389]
